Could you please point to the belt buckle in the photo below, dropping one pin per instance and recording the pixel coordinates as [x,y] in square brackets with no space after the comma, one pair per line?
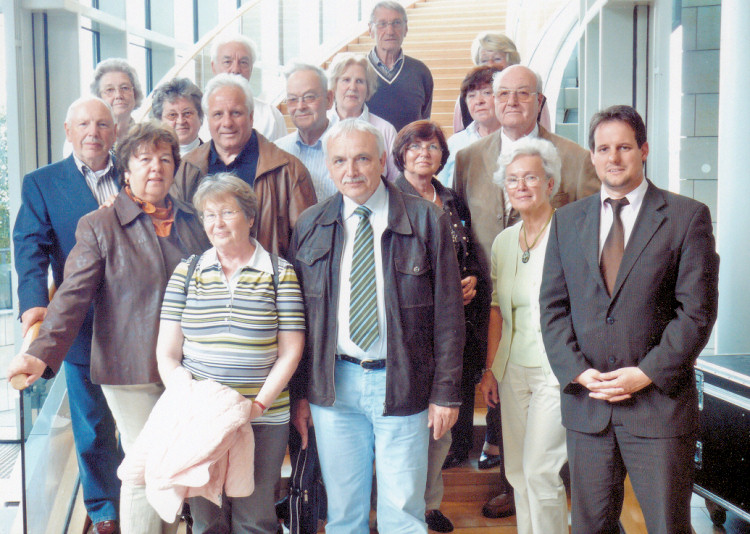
[369,365]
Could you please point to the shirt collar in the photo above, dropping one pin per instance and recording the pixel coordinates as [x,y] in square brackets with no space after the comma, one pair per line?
[507,141]
[635,197]
[184,149]
[259,261]
[319,143]
[380,64]
[378,202]
[82,167]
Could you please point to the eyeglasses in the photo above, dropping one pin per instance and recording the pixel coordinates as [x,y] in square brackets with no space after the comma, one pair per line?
[173,115]
[395,24]
[124,89]
[419,147]
[307,98]
[224,215]
[522,95]
[512,182]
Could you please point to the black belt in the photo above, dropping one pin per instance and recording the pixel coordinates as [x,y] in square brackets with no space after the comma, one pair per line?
[370,365]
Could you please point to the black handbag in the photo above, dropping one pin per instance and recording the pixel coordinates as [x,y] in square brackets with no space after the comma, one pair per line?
[308,501]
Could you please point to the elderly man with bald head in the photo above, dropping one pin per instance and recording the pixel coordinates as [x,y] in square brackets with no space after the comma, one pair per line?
[53,198]
[280,180]
[518,98]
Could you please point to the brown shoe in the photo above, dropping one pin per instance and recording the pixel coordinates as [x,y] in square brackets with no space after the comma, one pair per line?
[501,505]
[106,527]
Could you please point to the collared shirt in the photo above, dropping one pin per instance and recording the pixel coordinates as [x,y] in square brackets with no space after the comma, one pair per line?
[231,325]
[457,142]
[103,183]
[383,69]
[628,213]
[313,158]
[505,144]
[378,204]
[244,165]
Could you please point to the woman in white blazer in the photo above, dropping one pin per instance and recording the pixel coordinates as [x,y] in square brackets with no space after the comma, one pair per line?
[517,372]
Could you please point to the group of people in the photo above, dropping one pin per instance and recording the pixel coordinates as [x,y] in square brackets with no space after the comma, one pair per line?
[361,275]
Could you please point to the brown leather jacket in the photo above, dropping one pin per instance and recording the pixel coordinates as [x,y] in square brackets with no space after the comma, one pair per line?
[117,265]
[282,184]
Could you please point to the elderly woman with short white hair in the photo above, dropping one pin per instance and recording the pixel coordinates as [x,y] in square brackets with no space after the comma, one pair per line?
[529,394]
[353,81]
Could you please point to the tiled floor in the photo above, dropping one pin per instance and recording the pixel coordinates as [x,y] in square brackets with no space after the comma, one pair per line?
[702,522]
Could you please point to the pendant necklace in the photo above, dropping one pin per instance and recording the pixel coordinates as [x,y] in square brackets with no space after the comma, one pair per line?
[527,253]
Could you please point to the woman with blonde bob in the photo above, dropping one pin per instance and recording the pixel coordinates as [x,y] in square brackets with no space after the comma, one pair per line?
[517,364]
[353,81]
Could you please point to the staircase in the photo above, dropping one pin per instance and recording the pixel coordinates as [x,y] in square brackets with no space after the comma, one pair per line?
[440,34]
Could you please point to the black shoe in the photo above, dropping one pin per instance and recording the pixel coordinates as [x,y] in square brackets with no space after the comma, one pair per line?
[454,460]
[437,521]
[282,510]
[488,461]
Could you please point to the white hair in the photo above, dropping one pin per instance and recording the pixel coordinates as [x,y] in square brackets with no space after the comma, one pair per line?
[83,100]
[249,44]
[348,126]
[297,66]
[532,146]
[228,80]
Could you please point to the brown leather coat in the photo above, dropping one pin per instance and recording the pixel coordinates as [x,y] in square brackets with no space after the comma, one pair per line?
[282,184]
[117,265]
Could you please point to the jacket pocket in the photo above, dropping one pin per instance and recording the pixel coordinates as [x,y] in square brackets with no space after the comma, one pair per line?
[312,265]
[414,278]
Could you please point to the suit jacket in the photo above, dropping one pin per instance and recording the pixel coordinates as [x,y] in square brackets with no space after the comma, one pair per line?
[53,199]
[659,317]
[117,264]
[473,182]
[503,273]
[282,184]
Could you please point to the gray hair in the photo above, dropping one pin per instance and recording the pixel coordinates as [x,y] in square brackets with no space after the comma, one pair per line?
[495,42]
[388,4]
[497,78]
[117,64]
[342,61]
[295,67]
[249,44]
[532,146]
[171,91]
[83,100]
[348,126]
[228,80]
[226,184]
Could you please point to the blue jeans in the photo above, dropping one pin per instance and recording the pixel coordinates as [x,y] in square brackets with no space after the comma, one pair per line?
[354,432]
[96,444]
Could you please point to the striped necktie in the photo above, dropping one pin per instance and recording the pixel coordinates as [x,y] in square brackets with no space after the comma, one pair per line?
[363,308]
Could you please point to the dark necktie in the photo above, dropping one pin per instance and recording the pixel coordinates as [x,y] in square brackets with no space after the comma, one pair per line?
[363,304]
[614,245]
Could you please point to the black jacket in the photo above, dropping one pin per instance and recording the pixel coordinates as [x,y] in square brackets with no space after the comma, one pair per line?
[424,310]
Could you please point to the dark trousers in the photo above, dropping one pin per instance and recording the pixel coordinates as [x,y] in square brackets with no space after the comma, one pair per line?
[96,445]
[661,471]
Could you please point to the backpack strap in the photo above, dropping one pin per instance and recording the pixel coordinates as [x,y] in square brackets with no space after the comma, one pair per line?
[275,264]
[193,263]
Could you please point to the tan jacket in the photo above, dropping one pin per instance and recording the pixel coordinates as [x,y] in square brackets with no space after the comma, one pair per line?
[116,265]
[476,165]
[282,183]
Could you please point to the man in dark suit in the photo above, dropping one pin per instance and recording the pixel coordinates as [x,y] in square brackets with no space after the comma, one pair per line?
[53,198]
[628,300]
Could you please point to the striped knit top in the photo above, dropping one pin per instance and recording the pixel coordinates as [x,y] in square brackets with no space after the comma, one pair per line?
[230,326]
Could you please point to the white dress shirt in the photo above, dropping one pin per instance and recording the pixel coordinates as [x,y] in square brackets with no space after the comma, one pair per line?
[628,214]
[378,204]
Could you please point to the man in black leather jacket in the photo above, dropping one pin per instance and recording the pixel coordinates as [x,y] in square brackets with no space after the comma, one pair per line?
[376,399]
